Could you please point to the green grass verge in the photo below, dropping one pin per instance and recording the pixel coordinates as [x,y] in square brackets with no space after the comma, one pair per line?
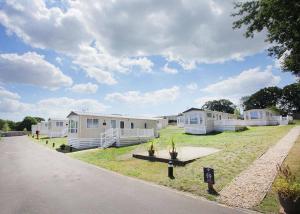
[57,141]
[238,151]
[270,204]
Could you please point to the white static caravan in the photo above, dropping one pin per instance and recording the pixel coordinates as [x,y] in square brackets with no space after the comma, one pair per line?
[57,127]
[42,127]
[198,121]
[87,130]
[180,120]
[33,129]
[265,117]
[161,123]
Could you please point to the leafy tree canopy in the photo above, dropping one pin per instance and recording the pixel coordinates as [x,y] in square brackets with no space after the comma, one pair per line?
[222,105]
[26,123]
[290,100]
[264,98]
[281,20]
[39,119]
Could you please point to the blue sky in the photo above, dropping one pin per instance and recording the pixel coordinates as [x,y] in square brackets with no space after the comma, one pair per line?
[136,58]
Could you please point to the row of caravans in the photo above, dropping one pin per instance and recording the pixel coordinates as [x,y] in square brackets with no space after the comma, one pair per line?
[86,130]
[198,121]
[54,127]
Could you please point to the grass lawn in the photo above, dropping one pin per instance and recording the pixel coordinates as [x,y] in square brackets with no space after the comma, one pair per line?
[270,204]
[238,151]
[57,141]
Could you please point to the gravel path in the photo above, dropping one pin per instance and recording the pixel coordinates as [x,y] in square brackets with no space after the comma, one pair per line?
[250,187]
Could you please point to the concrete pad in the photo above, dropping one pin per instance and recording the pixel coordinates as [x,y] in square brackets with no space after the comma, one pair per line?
[185,154]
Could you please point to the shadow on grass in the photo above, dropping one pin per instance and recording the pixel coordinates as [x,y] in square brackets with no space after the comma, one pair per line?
[68,149]
[207,134]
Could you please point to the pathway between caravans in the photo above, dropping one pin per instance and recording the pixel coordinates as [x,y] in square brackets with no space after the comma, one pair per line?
[250,187]
[35,179]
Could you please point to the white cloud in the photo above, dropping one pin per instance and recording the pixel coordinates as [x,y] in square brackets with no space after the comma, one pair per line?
[246,82]
[9,102]
[88,88]
[187,32]
[59,60]
[169,70]
[8,105]
[60,107]
[52,107]
[192,86]
[101,66]
[8,94]
[31,68]
[152,97]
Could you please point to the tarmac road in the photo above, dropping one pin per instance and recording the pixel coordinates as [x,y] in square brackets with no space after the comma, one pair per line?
[35,179]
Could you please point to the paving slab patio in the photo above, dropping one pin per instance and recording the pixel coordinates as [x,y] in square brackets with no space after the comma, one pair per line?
[185,154]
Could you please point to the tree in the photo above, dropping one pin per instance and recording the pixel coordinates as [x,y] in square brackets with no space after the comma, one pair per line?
[290,100]
[5,127]
[26,123]
[281,20]
[264,98]
[2,122]
[222,105]
[39,119]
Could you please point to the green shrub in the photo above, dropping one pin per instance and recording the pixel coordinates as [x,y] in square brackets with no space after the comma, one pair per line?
[286,185]
[62,146]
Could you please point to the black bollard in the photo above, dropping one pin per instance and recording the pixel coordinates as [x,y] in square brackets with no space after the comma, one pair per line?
[53,145]
[71,148]
[46,141]
[170,169]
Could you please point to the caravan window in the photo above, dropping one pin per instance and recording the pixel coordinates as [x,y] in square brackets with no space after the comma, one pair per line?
[186,120]
[122,124]
[73,126]
[145,125]
[194,119]
[254,115]
[113,124]
[59,124]
[92,123]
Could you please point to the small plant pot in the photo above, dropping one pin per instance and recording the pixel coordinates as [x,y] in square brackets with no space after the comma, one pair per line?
[173,155]
[290,205]
[151,153]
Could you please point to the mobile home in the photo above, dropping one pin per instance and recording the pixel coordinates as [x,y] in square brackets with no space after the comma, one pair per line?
[198,121]
[180,120]
[34,128]
[265,117]
[42,127]
[57,127]
[88,130]
[161,123]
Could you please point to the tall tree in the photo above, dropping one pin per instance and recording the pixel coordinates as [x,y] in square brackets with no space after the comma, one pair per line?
[281,20]
[290,100]
[39,119]
[5,127]
[264,98]
[26,123]
[222,105]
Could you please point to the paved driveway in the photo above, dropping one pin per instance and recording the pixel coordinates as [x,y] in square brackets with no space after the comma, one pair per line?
[34,179]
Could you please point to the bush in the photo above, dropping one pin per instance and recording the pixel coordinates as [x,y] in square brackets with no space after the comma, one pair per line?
[286,185]
[62,146]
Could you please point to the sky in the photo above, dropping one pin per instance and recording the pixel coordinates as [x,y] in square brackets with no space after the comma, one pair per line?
[131,57]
